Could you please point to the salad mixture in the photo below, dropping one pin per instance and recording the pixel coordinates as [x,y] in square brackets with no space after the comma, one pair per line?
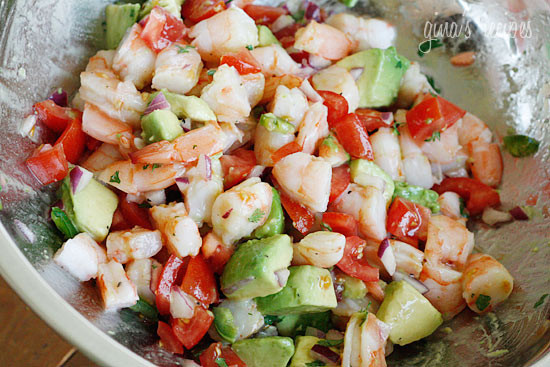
[271,185]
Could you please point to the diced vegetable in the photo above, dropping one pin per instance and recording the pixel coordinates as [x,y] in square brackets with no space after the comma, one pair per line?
[418,195]
[197,10]
[302,218]
[144,308]
[243,61]
[354,263]
[168,339]
[199,281]
[339,182]
[354,137]
[341,223]
[276,124]
[118,18]
[264,14]
[63,223]
[237,167]
[48,164]
[168,278]
[190,332]
[478,196]
[337,106]
[520,145]
[55,117]
[408,221]
[285,150]
[216,353]
[161,29]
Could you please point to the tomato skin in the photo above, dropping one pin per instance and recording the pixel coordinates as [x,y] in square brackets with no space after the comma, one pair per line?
[341,223]
[133,214]
[168,339]
[408,221]
[442,113]
[243,61]
[337,107]
[199,281]
[354,137]
[264,14]
[197,10]
[73,141]
[285,150]
[301,56]
[168,277]
[354,264]
[190,332]
[237,166]
[161,29]
[92,144]
[55,117]
[289,31]
[302,218]
[478,196]
[215,351]
[371,119]
[341,178]
[48,164]
[216,252]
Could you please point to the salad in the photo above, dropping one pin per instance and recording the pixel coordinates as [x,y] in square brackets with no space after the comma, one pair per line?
[271,185]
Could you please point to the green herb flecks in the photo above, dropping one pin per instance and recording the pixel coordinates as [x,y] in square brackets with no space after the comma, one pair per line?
[156,165]
[63,223]
[326,226]
[435,136]
[429,45]
[330,343]
[395,128]
[482,302]
[115,178]
[185,49]
[146,166]
[463,211]
[211,72]
[249,47]
[299,15]
[541,300]
[270,320]
[145,205]
[256,216]
[432,83]
[521,146]
[315,364]
[221,362]
[146,310]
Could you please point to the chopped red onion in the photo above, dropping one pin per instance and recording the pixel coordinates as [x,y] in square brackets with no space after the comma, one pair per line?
[317,62]
[313,11]
[25,231]
[80,178]
[257,171]
[325,354]
[186,124]
[158,103]
[144,21]
[60,97]
[417,284]
[282,276]
[235,287]
[182,305]
[311,331]
[227,214]
[519,213]
[310,92]
[492,216]
[208,167]
[386,255]
[387,117]
[356,73]
[156,271]
[182,183]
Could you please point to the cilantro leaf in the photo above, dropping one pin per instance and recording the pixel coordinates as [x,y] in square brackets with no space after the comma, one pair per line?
[211,72]
[330,343]
[184,50]
[270,320]
[435,136]
[429,45]
[541,300]
[395,127]
[482,302]
[432,83]
[326,226]
[315,364]
[221,362]
[256,216]
[115,178]
[250,47]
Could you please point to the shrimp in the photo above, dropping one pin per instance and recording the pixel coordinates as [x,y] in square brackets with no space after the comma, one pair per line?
[134,61]
[444,150]
[333,152]
[408,259]
[134,244]
[368,206]
[321,249]
[338,80]
[102,157]
[450,205]
[140,272]
[387,153]
[180,233]
[228,31]
[314,128]
[364,33]
[413,84]
[250,320]
[290,104]
[138,178]
[81,256]
[254,85]
[416,166]
[204,80]
[485,276]
[273,82]
[206,140]
[226,95]
[239,211]
[177,68]
[107,129]
[102,61]
[472,128]
[268,142]
[119,100]
[365,341]
[446,298]
[323,40]
[306,179]
[117,291]
[274,60]
[486,162]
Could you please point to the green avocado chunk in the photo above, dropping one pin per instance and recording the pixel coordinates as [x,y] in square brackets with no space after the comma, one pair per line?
[160,125]
[271,351]
[381,78]
[172,6]
[418,195]
[187,106]
[276,124]
[302,357]
[410,315]
[118,18]
[225,324]
[367,173]
[308,289]
[266,37]
[353,288]
[253,269]
[91,210]
[293,325]
[275,223]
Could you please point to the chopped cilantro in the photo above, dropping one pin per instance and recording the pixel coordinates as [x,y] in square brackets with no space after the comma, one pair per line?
[256,216]
[221,362]
[432,83]
[463,210]
[299,15]
[315,364]
[482,302]
[145,205]
[428,45]
[156,165]
[146,166]
[184,50]
[330,343]
[194,146]
[399,64]
[250,47]
[435,136]
[541,300]
[326,226]
[520,145]
[270,320]
[395,127]
[258,111]
[211,72]
[115,178]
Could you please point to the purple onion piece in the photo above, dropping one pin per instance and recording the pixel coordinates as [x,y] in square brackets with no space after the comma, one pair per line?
[257,171]
[235,287]
[158,103]
[208,167]
[227,214]
[282,276]
[313,11]
[383,247]
[519,213]
[60,97]
[25,231]
[75,176]
[417,284]
[325,354]
[311,331]
[183,180]
[59,204]
[387,117]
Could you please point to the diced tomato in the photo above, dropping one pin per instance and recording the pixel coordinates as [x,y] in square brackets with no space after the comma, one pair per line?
[168,339]
[216,350]
[199,281]
[216,252]
[197,10]
[162,29]
[119,223]
[371,119]
[92,144]
[408,221]
[55,117]
[341,178]
[237,166]
[341,223]
[354,264]
[337,107]
[302,218]
[301,56]
[287,42]
[73,141]
[48,164]
[478,196]
[285,150]
[431,115]
[169,276]
[243,61]
[354,137]
[190,331]
[264,14]
[289,31]
[133,214]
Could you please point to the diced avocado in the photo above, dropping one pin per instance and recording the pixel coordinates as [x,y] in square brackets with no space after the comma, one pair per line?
[225,324]
[252,270]
[367,173]
[353,288]
[308,289]
[266,37]
[275,223]
[418,195]
[381,78]
[91,209]
[187,106]
[349,3]
[293,325]
[118,18]
[271,351]
[276,124]
[160,125]
[237,319]
[410,315]
[172,6]
[302,356]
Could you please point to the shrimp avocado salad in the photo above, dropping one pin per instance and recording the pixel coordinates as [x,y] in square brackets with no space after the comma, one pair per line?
[270,186]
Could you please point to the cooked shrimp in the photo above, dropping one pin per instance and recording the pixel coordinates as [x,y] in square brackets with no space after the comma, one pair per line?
[180,233]
[485,276]
[472,128]
[306,179]
[239,211]
[248,320]
[140,272]
[322,249]
[268,142]
[226,95]
[102,157]
[117,291]
[444,150]
[107,129]
[228,31]
[387,153]
[177,68]
[368,206]
[134,244]
[338,80]
[273,82]
[204,80]
[290,104]
[333,152]
[450,205]
[134,61]
[81,256]
[254,85]
[208,139]
[416,166]
[413,84]
[364,33]
[365,341]
[102,61]
[446,298]
[314,128]
[274,60]
[407,258]
[233,136]
[323,40]
[486,162]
